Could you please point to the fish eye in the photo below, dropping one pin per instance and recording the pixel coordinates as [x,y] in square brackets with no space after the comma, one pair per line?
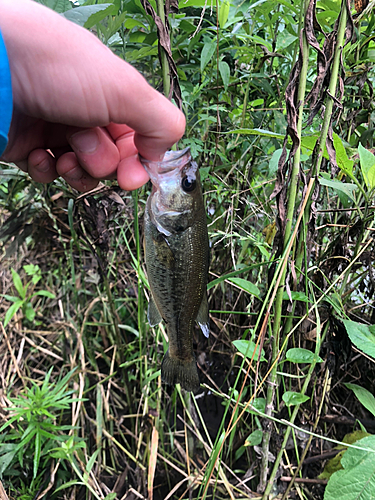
[188,185]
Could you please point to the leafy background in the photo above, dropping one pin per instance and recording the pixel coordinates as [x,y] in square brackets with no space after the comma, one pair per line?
[287,373]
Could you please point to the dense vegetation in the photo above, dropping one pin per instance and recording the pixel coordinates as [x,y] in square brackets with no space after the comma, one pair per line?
[279,103]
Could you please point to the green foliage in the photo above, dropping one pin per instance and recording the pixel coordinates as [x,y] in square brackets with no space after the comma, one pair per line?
[233,83]
[357,479]
[364,396]
[23,299]
[247,348]
[33,427]
[362,336]
[292,398]
[300,355]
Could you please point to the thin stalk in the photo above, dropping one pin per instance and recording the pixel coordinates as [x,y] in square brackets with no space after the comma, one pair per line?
[295,412]
[332,86]
[164,60]
[307,446]
[292,194]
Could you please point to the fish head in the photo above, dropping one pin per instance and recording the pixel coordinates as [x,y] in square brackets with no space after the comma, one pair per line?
[176,191]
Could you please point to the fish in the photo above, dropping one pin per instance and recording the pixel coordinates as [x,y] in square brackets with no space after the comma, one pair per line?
[177,256]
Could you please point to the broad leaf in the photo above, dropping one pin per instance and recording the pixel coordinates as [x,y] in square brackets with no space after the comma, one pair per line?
[59,6]
[342,159]
[247,286]
[224,6]
[344,187]
[362,336]
[292,398]
[357,479]
[367,160]
[81,14]
[364,396]
[300,355]
[224,73]
[247,348]
[254,439]
[296,296]
[29,312]
[207,53]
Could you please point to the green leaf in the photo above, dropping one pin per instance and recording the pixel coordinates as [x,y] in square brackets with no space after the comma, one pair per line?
[362,336]
[225,73]
[284,39]
[59,6]
[344,187]
[258,404]
[247,348]
[80,15]
[364,396]
[5,461]
[45,293]
[96,17]
[357,479]
[296,296]
[38,450]
[18,284]
[256,131]
[183,4]
[224,6]
[132,23]
[300,355]
[342,159]
[292,398]
[367,160]
[111,496]
[255,438]
[73,482]
[274,162]
[12,311]
[29,312]
[207,53]
[245,285]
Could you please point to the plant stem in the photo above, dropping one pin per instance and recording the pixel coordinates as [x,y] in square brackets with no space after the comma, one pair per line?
[164,59]
[292,194]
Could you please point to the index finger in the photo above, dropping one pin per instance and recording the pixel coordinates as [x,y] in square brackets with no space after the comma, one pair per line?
[158,124]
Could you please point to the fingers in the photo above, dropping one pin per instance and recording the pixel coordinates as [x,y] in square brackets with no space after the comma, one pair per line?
[95,150]
[131,174]
[68,168]
[157,123]
[41,166]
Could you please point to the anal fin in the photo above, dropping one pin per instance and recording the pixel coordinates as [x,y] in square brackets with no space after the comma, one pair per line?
[202,317]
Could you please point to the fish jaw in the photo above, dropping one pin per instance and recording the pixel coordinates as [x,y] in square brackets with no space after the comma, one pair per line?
[171,207]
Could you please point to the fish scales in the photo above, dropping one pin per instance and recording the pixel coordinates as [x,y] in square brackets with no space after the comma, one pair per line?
[176,251]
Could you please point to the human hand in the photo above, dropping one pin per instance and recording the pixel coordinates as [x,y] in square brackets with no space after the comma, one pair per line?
[75,98]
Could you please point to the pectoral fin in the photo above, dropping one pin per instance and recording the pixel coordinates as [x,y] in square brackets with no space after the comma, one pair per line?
[202,316]
[153,314]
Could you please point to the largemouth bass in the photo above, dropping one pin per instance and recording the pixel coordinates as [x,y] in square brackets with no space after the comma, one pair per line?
[176,251]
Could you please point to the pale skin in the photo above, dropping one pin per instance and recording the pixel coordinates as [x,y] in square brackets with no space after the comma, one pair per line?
[79,111]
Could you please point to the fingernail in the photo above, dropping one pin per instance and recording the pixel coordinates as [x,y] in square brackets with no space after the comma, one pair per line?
[85,142]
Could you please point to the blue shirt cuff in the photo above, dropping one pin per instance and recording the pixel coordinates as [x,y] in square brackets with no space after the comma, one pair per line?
[6,101]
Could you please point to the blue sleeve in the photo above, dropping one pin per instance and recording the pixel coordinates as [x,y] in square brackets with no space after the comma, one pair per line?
[6,101]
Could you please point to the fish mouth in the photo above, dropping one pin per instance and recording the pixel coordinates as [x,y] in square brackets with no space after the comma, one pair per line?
[170,161]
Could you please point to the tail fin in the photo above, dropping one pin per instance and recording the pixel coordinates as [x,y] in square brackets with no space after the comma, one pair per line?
[175,371]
